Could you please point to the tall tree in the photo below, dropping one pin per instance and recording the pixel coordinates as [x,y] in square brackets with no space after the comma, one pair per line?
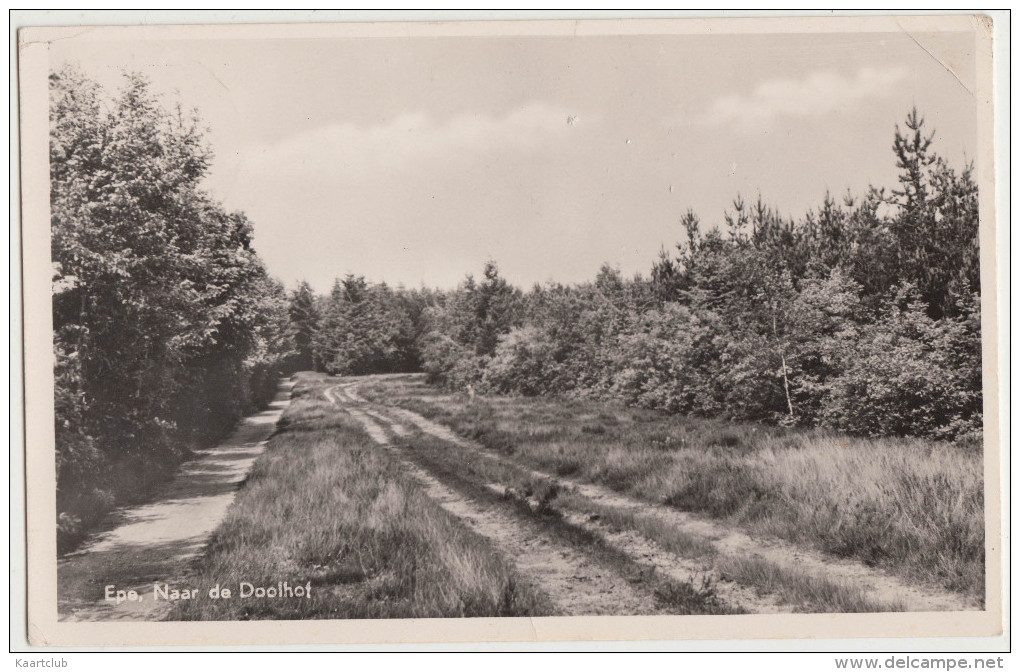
[936,227]
[166,325]
[304,322]
[496,308]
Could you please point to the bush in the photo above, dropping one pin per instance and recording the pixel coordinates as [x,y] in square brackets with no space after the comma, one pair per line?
[523,363]
[911,375]
[450,364]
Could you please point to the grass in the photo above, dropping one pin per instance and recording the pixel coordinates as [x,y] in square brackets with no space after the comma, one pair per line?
[651,527]
[471,474]
[324,505]
[479,476]
[815,593]
[913,506]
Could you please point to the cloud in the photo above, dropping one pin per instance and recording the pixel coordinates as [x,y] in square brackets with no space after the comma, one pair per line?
[819,93]
[409,140]
[415,196]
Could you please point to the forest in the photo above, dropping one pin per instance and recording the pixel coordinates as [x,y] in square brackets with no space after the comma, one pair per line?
[167,327]
[861,316]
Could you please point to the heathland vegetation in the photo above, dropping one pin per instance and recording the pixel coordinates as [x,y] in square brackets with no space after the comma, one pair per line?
[912,506]
[392,497]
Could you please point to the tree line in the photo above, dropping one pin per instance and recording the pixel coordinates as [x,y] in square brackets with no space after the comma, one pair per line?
[167,327]
[863,316]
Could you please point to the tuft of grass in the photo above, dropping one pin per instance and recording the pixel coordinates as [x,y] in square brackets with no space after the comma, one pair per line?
[816,594]
[324,505]
[694,591]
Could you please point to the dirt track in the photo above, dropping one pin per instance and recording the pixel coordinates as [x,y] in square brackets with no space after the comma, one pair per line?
[159,541]
[156,542]
[575,583]
[876,585]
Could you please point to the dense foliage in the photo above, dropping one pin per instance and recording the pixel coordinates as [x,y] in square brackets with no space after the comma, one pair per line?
[167,327]
[863,315]
[367,328]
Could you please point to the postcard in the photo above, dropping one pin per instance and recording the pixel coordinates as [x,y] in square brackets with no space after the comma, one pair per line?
[489,331]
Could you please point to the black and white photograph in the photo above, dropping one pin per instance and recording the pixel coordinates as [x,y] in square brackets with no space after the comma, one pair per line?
[466,327]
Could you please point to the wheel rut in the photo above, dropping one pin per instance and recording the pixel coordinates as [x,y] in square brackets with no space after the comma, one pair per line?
[575,583]
[876,585]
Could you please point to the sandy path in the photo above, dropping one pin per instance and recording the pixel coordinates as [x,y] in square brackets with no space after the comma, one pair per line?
[646,552]
[344,392]
[156,542]
[575,584]
[877,585]
[667,563]
[395,427]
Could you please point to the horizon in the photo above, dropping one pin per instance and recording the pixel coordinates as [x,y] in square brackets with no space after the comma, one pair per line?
[413,161]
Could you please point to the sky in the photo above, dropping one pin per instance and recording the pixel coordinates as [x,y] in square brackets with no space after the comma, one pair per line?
[415,160]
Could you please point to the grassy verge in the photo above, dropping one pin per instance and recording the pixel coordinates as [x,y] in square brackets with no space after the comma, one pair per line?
[913,506]
[324,506]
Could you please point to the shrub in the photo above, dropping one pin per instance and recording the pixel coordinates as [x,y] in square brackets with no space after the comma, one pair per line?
[911,375]
[523,363]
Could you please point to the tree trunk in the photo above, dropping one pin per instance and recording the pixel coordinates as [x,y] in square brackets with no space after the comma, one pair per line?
[782,357]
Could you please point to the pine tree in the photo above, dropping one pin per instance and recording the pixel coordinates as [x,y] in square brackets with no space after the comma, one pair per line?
[936,226]
[304,324]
